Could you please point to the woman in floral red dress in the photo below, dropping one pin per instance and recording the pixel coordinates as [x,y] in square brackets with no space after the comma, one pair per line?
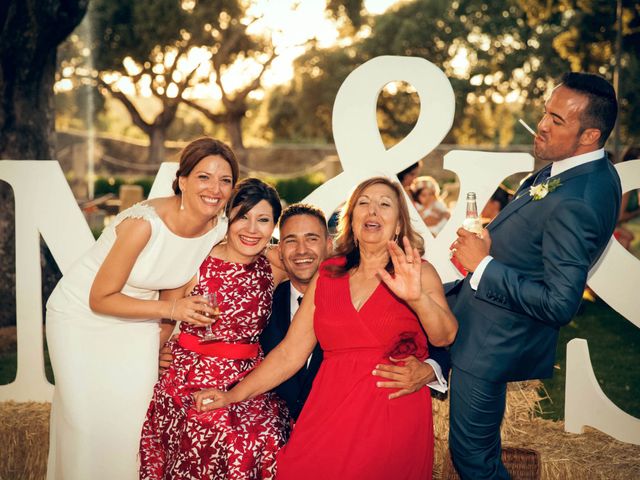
[240,442]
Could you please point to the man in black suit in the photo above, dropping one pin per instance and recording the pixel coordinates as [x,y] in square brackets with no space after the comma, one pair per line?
[529,269]
[304,244]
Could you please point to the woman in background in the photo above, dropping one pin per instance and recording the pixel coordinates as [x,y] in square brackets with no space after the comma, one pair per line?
[102,317]
[240,442]
[425,192]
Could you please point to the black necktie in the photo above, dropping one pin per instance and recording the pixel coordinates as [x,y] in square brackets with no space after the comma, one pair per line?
[543,176]
[299,299]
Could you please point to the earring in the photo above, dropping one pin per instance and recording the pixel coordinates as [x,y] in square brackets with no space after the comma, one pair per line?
[395,238]
[182,201]
[355,240]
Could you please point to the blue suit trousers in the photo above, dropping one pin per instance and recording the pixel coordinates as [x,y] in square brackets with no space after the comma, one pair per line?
[478,404]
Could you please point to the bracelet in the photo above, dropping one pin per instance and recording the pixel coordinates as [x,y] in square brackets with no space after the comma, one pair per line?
[173,307]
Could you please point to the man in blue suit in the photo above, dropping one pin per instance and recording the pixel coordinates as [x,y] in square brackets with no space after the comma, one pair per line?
[529,269]
[304,244]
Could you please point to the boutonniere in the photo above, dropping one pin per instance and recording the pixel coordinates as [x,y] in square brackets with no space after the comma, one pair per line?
[538,192]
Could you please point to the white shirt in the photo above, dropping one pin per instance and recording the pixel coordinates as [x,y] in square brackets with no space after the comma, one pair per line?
[293,301]
[293,308]
[556,169]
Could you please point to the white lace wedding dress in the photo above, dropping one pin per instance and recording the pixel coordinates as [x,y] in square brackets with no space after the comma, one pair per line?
[105,367]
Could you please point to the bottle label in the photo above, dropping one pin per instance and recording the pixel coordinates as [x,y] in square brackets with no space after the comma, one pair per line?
[472,224]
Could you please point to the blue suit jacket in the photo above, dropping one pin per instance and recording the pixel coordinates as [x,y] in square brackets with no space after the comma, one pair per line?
[542,252]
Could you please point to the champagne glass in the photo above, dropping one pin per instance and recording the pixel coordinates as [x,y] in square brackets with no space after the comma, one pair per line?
[212,299]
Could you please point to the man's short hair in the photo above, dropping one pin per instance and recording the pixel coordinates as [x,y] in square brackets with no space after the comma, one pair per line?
[602,109]
[303,209]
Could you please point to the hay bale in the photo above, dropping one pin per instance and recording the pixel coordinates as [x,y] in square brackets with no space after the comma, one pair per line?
[24,437]
[592,455]
[24,441]
[521,463]
[523,403]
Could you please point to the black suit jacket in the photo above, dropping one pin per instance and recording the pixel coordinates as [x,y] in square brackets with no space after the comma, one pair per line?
[295,390]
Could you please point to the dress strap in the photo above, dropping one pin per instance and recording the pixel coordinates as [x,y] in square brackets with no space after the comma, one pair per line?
[139,210]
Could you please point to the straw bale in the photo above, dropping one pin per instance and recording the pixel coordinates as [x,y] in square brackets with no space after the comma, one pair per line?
[24,440]
[592,455]
[523,403]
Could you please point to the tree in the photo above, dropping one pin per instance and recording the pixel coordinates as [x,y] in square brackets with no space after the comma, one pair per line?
[588,43]
[174,50]
[301,111]
[494,58]
[31,32]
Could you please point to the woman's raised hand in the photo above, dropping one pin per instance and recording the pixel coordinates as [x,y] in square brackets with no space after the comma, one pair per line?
[406,281]
[211,399]
[192,310]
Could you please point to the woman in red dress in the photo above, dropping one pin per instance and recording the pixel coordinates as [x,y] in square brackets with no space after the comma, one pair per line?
[240,442]
[372,300]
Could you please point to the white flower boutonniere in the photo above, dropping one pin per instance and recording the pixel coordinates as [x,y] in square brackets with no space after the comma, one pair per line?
[538,192]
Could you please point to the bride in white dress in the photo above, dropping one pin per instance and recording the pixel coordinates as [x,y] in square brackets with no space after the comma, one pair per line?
[103,316]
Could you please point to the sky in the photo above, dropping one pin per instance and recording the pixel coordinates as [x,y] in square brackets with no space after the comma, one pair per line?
[291,28]
[290,22]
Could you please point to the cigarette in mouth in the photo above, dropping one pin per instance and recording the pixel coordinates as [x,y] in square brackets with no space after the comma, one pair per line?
[529,129]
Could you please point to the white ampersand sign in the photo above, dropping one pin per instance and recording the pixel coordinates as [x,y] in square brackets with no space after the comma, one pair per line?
[363,154]
[355,129]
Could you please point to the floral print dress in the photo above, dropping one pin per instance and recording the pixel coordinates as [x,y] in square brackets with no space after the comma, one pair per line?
[241,440]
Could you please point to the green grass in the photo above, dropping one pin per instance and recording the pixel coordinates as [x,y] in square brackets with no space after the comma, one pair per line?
[614,347]
[9,365]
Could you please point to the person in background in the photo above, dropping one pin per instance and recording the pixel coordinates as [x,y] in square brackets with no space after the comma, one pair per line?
[109,300]
[370,301]
[529,267]
[425,192]
[242,441]
[408,175]
[630,206]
